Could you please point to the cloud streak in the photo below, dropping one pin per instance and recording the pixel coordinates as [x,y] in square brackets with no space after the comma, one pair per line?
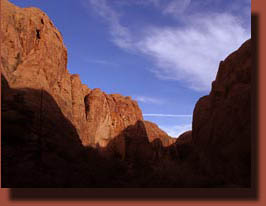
[192,53]
[101,62]
[120,34]
[189,52]
[176,7]
[167,115]
[149,100]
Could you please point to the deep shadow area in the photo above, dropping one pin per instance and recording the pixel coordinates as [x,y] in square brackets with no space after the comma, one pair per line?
[38,142]
[76,162]
[41,147]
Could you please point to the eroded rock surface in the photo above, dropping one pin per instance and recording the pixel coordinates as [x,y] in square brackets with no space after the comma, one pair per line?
[33,56]
[108,115]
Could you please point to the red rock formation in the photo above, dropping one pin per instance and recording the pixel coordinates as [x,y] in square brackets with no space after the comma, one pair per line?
[222,120]
[33,56]
[154,132]
[78,92]
[108,115]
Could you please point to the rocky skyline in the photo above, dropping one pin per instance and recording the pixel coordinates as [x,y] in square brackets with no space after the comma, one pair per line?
[151,74]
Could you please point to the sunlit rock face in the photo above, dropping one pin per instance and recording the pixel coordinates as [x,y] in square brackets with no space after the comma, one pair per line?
[222,120]
[33,56]
[108,115]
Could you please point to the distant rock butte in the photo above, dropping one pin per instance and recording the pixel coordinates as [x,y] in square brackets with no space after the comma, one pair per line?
[33,55]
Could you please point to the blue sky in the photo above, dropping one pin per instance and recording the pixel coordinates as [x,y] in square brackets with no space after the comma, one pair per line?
[163,53]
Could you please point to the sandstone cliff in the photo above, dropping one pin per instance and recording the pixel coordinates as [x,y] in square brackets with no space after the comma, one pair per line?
[33,56]
[108,115]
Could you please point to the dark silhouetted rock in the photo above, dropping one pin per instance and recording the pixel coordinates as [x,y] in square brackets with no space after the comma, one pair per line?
[222,120]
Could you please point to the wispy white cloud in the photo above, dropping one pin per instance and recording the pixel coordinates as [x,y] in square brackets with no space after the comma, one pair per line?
[154,3]
[167,115]
[172,7]
[149,100]
[121,35]
[176,130]
[99,61]
[192,53]
[176,7]
[189,53]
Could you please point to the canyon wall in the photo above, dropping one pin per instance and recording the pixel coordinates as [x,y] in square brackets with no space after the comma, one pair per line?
[221,129]
[33,56]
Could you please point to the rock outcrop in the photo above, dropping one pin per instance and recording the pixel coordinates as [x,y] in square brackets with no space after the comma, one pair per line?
[33,56]
[222,120]
[154,132]
[108,115]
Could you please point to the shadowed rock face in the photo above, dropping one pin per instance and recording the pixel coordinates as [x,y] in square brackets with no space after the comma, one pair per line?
[41,147]
[33,154]
[33,56]
[222,120]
